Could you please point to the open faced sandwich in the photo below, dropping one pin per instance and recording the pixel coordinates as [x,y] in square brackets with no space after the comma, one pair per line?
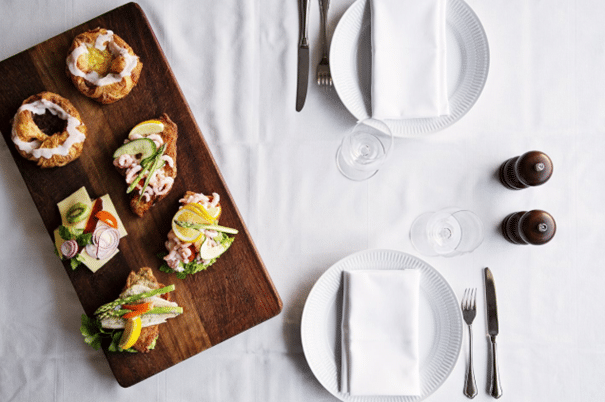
[148,162]
[90,230]
[196,240]
[131,322]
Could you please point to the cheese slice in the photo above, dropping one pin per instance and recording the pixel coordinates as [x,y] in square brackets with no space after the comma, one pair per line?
[79,196]
[82,196]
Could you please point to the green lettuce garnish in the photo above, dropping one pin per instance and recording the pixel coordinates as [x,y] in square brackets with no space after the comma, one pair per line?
[94,334]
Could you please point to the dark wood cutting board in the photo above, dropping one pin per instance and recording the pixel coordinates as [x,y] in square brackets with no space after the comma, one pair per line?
[235,293]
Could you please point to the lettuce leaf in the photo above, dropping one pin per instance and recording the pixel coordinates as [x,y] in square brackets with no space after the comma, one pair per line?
[94,334]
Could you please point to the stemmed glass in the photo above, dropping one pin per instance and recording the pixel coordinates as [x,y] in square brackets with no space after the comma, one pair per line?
[449,232]
[364,149]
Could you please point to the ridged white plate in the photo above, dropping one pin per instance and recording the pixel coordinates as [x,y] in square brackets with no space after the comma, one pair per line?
[467,65]
[440,325]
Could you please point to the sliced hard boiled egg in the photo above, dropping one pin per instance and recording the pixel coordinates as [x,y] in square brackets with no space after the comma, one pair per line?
[211,249]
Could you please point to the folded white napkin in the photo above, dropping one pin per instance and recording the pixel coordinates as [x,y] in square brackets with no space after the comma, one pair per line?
[408,59]
[380,332]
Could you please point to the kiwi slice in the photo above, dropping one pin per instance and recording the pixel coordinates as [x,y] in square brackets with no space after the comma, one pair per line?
[77,213]
[142,146]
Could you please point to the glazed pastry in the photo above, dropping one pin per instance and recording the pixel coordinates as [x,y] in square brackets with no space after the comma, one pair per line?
[102,66]
[47,129]
[148,162]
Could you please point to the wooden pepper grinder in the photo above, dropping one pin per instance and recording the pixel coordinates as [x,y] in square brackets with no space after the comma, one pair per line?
[533,168]
[533,227]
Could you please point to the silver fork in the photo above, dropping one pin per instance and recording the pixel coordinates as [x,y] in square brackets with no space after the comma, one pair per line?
[469,311]
[324,78]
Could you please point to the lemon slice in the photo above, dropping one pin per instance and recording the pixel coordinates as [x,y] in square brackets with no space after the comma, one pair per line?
[147,127]
[131,333]
[187,235]
[215,212]
[210,215]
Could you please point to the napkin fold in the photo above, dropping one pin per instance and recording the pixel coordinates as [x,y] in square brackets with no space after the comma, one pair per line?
[380,332]
[408,59]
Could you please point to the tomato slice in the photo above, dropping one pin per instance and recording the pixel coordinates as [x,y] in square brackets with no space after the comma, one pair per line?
[136,309]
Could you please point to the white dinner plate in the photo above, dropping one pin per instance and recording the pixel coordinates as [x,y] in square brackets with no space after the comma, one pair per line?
[467,65]
[440,325]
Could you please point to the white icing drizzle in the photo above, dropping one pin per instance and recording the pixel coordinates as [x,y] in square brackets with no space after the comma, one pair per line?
[33,147]
[102,42]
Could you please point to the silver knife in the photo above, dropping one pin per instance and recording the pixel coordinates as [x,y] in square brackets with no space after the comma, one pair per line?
[303,55]
[491,308]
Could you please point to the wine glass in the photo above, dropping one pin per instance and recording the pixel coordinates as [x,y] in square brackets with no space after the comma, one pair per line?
[364,149]
[449,232]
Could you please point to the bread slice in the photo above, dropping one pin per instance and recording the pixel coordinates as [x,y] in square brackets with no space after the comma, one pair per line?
[139,205]
[148,334]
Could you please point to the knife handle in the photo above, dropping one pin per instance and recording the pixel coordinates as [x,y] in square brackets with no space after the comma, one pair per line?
[495,389]
[305,8]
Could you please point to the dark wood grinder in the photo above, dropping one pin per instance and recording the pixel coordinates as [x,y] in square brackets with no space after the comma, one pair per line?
[532,227]
[533,168]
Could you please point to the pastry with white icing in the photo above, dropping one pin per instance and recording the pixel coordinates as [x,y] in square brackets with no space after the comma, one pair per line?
[102,65]
[48,129]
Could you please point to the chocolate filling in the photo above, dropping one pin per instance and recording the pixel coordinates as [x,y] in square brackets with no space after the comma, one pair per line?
[50,124]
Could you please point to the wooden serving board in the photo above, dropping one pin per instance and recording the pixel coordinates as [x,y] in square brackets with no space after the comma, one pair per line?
[235,293]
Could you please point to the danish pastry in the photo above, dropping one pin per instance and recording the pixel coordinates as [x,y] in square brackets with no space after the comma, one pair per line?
[102,66]
[47,129]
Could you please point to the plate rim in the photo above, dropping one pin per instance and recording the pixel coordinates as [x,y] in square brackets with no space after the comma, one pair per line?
[430,125]
[458,322]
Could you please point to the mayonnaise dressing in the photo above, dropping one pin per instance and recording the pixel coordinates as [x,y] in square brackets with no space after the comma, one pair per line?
[102,42]
[33,147]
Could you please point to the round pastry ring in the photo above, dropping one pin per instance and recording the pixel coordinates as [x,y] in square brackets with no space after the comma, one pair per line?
[57,149]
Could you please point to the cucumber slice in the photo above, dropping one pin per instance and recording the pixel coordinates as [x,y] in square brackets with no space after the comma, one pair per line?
[142,146]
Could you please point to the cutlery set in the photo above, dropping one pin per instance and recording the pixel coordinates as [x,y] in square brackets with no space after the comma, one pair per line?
[469,311]
[323,69]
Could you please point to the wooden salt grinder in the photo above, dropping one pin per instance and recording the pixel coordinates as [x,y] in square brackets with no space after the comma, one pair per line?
[533,168]
[533,227]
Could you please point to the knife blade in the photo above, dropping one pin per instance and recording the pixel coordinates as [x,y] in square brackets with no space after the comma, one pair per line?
[491,309]
[303,56]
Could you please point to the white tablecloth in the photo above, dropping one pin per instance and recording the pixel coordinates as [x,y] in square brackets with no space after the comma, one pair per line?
[236,63]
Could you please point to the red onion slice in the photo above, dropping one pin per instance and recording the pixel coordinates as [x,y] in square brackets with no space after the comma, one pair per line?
[105,241]
[69,249]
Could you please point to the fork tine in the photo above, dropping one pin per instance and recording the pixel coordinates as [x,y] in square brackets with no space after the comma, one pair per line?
[474,306]
[464,299]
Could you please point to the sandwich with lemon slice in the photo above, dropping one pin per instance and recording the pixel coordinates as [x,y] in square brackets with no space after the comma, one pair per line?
[196,239]
[131,322]
[147,160]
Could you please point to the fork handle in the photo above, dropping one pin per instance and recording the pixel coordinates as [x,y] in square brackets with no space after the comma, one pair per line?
[323,10]
[495,388]
[470,385]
